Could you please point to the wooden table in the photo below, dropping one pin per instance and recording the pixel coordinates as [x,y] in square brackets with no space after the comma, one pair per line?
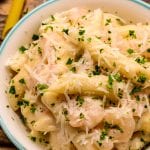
[5,144]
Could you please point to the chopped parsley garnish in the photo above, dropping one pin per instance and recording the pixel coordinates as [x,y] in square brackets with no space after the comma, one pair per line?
[109,31]
[119,21]
[22,49]
[65,112]
[120,93]
[109,39]
[53,18]
[81,115]
[81,39]
[110,82]
[101,50]
[78,57]
[103,135]
[12,90]
[97,70]
[81,32]
[130,51]
[132,34]
[108,126]
[108,21]
[32,108]
[135,90]
[137,98]
[98,37]
[53,104]
[23,103]
[142,78]
[58,58]
[69,61]
[35,37]
[141,60]
[80,101]
[33,138]
[117,77]
[22,81]
[23,119]
[148,50]
[73,69]
[48,27]
[66,31]
[89,39]
[39,50]
[33,122]
[42,86]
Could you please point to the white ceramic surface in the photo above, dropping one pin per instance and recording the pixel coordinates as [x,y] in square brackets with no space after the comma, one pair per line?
[134,10]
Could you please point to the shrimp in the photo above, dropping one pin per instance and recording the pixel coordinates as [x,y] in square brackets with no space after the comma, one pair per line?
[85,112]
[92,141]
[121,124]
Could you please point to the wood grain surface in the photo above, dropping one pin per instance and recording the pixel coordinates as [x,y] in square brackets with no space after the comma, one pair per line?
[5,144]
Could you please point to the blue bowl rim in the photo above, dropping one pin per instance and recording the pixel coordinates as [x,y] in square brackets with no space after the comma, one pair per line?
[2,124]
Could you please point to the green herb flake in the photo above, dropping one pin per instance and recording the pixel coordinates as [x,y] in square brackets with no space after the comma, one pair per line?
[132,34]
[53,104]
[32,108]
[117,77]
[98,37]
[66,31]
[65,111]
[69,61]
[81,39]
[22,81]
[81,32]
[148,50]
[120,93]
[109,31]
[101,50]
[22,49]
[103,135]
[12,90]
[110,82]
[137,98]
[23,103]
[80,101]
[99,143]
[119,21]
[58,58]
[97,70]
[135,90]
[42,86]
[33,122]
[52,17]
[33,138]
[142,78]
[89,39]
[23,119]
[117,128]
[35,37]
[39,50]
[108,126]
[108,21]
[141,60]
[73,69]
[130,51]
[81,115]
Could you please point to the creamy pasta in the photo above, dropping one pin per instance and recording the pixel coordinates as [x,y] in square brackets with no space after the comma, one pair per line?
[83,83]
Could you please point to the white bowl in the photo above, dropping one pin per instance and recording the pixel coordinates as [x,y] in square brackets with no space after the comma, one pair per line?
[134,10]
